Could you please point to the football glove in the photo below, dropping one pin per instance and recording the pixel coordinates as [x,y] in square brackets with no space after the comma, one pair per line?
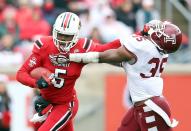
[36,118]
[42,106]
[42,83]
[145,30]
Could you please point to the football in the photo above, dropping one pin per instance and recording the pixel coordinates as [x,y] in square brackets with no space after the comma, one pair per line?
[40,72]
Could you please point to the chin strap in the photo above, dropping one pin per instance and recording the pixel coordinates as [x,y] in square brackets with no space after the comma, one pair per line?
[90,57]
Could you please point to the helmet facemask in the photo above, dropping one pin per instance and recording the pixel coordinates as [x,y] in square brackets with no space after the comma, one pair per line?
[64,41]
[156,28]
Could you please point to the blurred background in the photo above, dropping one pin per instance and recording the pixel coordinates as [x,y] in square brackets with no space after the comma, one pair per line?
[100,90]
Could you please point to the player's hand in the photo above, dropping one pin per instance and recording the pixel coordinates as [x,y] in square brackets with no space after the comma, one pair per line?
[42,106]
[42,83]
[145,30]
[65,57]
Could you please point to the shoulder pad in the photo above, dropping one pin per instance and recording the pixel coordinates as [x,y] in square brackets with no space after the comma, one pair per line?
[41,44]
[87,44]
[38,44]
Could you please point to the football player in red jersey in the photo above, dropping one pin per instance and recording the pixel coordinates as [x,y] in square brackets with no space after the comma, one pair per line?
[51,52]
[143,57]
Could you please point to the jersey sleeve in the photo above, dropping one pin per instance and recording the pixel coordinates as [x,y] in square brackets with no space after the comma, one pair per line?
[33,61]
[131,44]
[102,47]
[38,47]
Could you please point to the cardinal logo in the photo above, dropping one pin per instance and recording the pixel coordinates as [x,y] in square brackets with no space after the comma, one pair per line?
[59,60]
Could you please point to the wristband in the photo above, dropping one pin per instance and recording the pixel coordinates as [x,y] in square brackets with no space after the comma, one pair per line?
[90,57]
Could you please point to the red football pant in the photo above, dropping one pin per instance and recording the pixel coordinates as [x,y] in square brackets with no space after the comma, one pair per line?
[137,119]
[61,117]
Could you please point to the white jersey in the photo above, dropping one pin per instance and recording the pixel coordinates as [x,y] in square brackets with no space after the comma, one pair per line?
[143,76]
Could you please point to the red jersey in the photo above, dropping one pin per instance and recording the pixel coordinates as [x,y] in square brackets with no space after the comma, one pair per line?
[45,54]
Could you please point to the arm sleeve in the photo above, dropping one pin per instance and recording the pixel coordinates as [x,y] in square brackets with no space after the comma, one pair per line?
[102,47]
[23,74]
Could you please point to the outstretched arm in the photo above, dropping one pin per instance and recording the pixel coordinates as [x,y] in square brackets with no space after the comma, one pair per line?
[102,47]
[113,55]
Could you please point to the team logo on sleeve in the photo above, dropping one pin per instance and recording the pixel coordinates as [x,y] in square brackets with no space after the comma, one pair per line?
[59,60]
[32,62]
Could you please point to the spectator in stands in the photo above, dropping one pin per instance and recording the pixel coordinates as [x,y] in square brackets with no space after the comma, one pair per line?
[9,39]
[7,43]
[5,116]
[87,23]
[77,6]
[50,12]
[116,3]
[95,35]
[136,5]
[146,14]
[114,28]
[23,16]
[62,4]
[2,7]
[125,14]
[31,21]
[7,55]
[41,25]
[9,25]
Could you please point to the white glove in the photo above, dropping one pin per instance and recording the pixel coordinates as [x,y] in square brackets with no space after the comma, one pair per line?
[36,118]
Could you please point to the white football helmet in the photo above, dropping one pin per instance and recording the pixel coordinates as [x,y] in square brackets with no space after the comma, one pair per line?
[66,31]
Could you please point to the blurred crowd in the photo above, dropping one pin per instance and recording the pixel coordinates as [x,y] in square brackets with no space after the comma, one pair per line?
[5,101]
[23,21]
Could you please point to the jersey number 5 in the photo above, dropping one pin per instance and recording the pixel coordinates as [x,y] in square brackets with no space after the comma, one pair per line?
[58,82]
[153,71]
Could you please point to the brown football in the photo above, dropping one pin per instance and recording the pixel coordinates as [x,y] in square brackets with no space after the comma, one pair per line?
[40,72]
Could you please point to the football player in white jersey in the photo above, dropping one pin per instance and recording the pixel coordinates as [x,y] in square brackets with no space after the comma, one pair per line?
[143,57]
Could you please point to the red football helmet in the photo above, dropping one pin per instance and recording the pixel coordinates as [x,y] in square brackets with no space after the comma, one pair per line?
[165,35]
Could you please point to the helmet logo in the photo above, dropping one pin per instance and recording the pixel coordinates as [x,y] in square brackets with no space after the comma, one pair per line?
[171,39]
[67,19]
